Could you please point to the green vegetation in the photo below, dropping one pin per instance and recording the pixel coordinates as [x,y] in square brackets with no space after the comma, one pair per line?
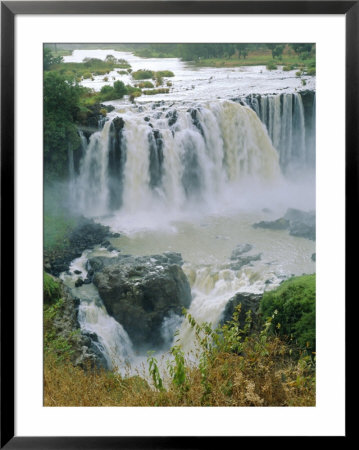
[294,302]
[145,74]
[145,84]
[156,91]
[272,66]
[236,366]
[61,105]
[52,289]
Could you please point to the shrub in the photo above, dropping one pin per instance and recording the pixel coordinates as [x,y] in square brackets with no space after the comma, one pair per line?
[294,301]
[311,71]
[122,72]
[52,290]
[298,74]
[87,75]
[271,66]
[143,74]
[156,91]
[164,73]
[145,84]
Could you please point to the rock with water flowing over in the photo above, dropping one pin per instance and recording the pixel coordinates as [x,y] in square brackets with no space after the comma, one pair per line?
[140,292]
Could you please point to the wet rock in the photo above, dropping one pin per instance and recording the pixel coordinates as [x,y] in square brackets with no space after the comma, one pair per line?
[242,261]
[172,117]
[105,244]
[84,346]
[301,223]
[77,272]
[248,302]
[240,249]
[314,257]
[279,224]
[79,282]
[86,234]
[139,292]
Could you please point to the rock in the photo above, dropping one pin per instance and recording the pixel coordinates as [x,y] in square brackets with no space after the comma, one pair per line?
[105,244]
[139,292]
[242,261]
[248,301]
[77,272]
[240,249]
[79,282]
[314,257]
[84,346]
[279,224]
[301,223]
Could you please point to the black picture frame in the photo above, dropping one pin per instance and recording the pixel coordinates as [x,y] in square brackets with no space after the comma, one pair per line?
[9,9]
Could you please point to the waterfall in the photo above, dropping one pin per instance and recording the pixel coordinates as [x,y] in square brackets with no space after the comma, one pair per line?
[290,121]
[142,160]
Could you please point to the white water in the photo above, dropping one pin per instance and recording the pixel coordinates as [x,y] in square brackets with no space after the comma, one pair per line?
[196,186]
[193,83]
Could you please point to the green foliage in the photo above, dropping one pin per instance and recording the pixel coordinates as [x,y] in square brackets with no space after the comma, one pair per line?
[52,290]
[61,104]
[164,73]
[145,84]
[118,90]
[156,91]
[311,71]
[276,49]
[49,59]
[56,229]
[271,66]
[143,74]
[177,369]
[294,301]
[154,372]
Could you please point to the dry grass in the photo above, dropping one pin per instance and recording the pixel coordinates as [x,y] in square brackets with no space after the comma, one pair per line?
[258,378]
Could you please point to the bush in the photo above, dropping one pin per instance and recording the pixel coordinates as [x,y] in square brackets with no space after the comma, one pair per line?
[52,290]
[294,301]
[311,71]
[298,74]
[145,84]
[164,73]
[271,66]
[143,74]
[156,91]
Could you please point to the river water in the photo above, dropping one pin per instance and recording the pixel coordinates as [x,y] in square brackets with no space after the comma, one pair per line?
[194,186]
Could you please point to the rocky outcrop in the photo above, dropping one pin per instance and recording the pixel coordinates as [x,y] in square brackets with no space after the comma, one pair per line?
[140,292]
[299,223]
[239,260]
[86,234]
[249,302]
[85,352]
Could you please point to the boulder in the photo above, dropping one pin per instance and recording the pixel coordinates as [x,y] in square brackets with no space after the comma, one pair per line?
[248,301]
[279,224]
[301,223]
[240,249]
[140,292]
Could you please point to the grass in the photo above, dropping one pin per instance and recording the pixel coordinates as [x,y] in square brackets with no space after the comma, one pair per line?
[235,367]
[56,230]
[258,58]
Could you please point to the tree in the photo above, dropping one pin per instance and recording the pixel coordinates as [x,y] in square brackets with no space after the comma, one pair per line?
[50,59]
[61,104]
[277,50]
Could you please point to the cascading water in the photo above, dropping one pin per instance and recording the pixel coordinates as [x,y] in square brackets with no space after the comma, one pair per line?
[290,121]
[158,162]
[173,158]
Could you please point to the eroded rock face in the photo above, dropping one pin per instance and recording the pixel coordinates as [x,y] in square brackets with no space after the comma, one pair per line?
[140,292]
